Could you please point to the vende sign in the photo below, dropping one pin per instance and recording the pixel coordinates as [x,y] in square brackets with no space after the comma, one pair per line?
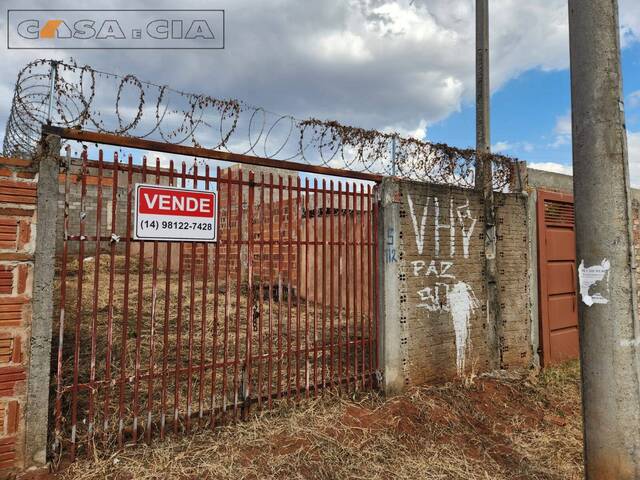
[174,214]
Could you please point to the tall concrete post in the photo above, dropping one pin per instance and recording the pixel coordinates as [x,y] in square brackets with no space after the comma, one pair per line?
[609,327]
[37,408]
[484,178]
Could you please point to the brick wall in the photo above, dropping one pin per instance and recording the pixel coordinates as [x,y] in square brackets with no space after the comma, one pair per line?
[442,294]
[17,242]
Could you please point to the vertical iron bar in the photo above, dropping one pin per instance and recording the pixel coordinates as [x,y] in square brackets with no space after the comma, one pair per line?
[125,306]
[112,271]
[203,322]
[361,287]
[236,361]
[331,277]
[307,372]
[346,282]
[315,287]
[214,349]
[323,275]
[94,315]
[249,340]
[279,329]
[152,326]
[370,280]
[340,274]
[192,301]
[227,291]
[289,273]
[298,217]
[165,328]
[178,366]
[136,385]
[261,291]
[76,353]
[270,366]
[63,299]
[355,291]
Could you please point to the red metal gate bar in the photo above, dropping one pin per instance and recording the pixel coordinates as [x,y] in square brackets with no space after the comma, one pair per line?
[203,318]
[332,378]
[112,271]
[214,347]
[370,233]
[324,260]
[63,296]
[298,217]
[289,218]
[154,293]
[246,388]
[361,290]
[237,324]
[340,274]
[149,145]
[94,313]
[165,328]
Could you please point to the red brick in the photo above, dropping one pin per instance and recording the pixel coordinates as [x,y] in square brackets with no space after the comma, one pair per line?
[13,417]
[10,378]
[25,233]
[23,272]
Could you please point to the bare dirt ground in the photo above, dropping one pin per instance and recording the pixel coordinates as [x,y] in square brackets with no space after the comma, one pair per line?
[516,426]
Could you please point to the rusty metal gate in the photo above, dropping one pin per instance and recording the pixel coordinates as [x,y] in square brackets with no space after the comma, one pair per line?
[157,337]
[557,277]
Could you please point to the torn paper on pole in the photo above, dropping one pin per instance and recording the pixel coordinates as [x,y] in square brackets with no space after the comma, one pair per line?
[594,282]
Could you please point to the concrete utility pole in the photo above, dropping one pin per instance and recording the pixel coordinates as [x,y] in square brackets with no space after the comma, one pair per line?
[608,312]
[484,177]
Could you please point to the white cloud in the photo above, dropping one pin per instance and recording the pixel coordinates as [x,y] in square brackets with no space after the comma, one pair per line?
[552,167]
[419,132]
[370,63]
[500,147]
[562,131]
[633,99]
[633,143]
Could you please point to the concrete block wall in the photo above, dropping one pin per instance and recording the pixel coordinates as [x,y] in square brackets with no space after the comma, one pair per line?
[434,262]
[512,258]
[17,243]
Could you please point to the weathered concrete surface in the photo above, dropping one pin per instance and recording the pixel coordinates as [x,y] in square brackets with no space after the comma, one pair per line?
[36,414]
[391,327]
[610,327]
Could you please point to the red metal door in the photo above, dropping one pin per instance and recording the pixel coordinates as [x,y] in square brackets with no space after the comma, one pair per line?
[557,277]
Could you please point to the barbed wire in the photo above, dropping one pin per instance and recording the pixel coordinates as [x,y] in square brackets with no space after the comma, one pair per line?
[85,98]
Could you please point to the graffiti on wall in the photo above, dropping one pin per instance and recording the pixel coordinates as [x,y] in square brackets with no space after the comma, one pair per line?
[446,293]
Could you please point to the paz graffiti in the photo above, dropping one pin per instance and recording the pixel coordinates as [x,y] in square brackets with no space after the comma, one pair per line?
[446,294]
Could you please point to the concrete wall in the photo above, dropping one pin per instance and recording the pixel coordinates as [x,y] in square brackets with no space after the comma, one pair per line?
[434,263]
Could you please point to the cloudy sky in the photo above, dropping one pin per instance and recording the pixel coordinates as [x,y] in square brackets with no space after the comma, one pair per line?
[394,65]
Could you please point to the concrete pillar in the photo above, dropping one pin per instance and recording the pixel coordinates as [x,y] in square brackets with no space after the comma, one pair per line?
[37,408]
[531,197]
[609,325]
[390,328]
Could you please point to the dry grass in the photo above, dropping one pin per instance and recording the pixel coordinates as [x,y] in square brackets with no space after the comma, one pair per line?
[516,426]
[272,336]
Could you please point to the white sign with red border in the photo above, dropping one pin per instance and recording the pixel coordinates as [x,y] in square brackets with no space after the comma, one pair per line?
[173,214]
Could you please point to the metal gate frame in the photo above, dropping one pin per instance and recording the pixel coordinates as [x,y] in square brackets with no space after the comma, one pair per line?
[365,378]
